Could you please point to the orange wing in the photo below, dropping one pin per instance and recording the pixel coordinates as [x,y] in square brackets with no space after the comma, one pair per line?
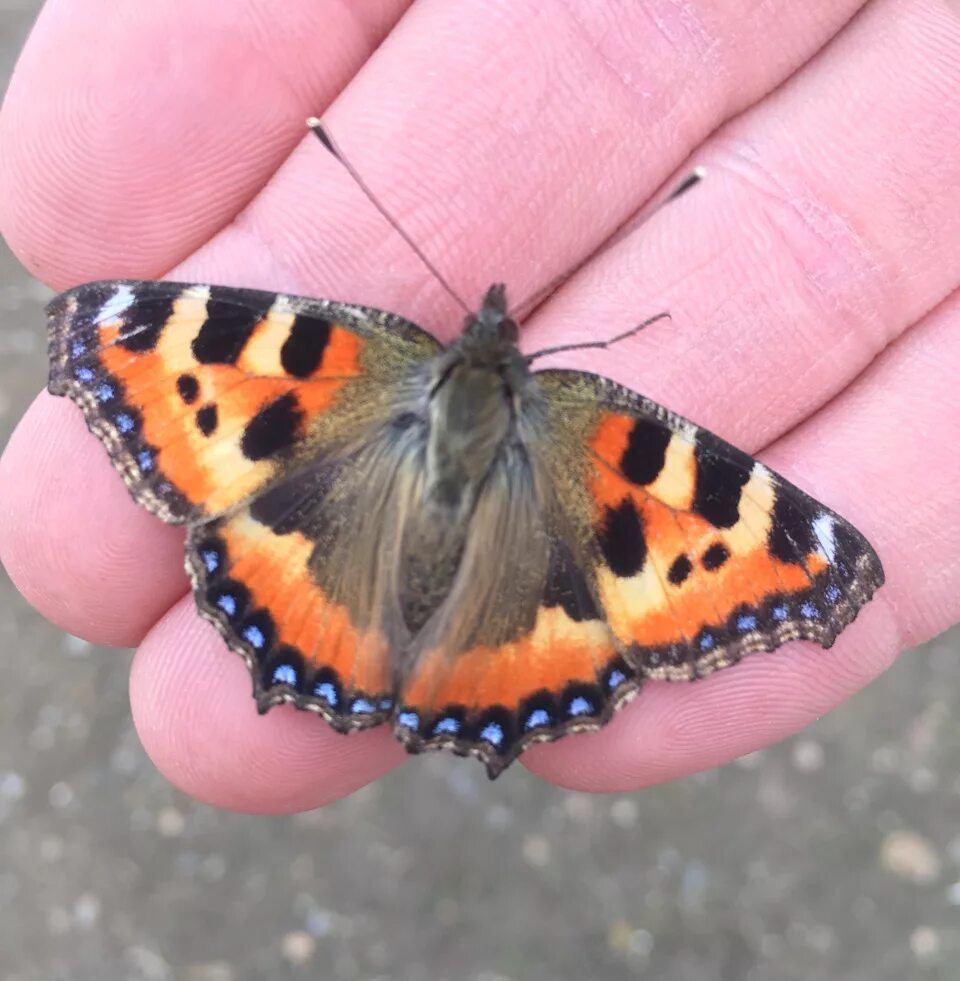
[563,675]
[701,554]
[206,399]
[255,583]
[203,395]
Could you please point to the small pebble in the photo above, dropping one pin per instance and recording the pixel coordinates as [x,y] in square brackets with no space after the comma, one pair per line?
[321,922]
[297,947]
[640,943]
[885,759]
[147,964]
[124,760]
[618,936]
[624,813]
[213,868]
[925,944]
[12,785]
[578,807]
[76,646]
[60,795]
[808,755]
[536,851]
[923,780]
[170,822]
[86,911]
[911,856]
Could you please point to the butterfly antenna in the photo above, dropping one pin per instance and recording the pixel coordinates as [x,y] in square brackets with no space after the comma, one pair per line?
[323,135]
[691,180]
[585,345]
[521,309]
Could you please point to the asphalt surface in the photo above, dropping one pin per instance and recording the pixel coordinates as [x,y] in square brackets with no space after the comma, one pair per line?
[835,855]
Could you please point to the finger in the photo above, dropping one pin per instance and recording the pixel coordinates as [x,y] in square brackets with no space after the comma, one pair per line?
[828,223]
[308,232]
[883,453]
[130,135]
[492,154]
[191,704]
[72,540]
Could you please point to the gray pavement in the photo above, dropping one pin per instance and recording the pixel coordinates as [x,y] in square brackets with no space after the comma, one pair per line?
[835,855]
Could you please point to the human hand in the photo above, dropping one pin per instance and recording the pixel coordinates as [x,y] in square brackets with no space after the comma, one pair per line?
[511,142]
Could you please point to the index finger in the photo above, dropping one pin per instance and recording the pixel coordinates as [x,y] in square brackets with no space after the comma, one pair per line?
[132,134]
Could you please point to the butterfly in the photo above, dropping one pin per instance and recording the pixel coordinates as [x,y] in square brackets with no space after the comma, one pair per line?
[439,538]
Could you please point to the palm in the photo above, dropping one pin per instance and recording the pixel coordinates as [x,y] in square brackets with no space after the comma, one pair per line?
[827,233]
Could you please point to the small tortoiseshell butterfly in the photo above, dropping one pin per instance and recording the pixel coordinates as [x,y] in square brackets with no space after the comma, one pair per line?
[390,530]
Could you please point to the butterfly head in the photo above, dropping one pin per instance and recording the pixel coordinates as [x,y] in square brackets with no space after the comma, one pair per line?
[492,326]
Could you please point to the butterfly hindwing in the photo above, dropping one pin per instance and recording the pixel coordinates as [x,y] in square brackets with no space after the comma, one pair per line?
[702,553]
[203,395]
[560,673]
[256,584]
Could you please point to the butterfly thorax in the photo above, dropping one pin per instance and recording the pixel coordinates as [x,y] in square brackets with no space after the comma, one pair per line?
[472,413]
[473,404]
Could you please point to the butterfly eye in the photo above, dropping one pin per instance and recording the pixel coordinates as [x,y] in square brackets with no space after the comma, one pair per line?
[509,331]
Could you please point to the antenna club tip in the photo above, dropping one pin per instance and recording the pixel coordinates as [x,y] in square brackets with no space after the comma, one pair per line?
[320,132]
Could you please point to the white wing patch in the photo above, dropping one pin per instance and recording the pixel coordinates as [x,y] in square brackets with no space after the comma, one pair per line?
[121,300]
[825,532]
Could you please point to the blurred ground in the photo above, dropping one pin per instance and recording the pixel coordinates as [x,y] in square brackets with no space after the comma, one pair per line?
[833,856]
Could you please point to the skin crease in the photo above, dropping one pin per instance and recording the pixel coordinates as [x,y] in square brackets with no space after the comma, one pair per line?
[812,282]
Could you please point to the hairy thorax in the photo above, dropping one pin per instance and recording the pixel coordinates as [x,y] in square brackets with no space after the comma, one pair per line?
[470,425]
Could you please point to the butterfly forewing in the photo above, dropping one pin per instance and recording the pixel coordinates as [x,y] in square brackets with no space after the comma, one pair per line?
[204,395]
[702,554]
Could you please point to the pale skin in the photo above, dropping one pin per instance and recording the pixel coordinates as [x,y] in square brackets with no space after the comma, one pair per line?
[812,281]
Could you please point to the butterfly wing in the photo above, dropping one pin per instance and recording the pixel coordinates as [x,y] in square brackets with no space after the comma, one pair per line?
[519,652]
[699,554]
[561,672]
[628,543]
[236,412]
[257,577]
[203,395]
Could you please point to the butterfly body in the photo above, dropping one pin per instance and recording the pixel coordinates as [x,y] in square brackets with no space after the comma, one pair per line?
[393,531]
